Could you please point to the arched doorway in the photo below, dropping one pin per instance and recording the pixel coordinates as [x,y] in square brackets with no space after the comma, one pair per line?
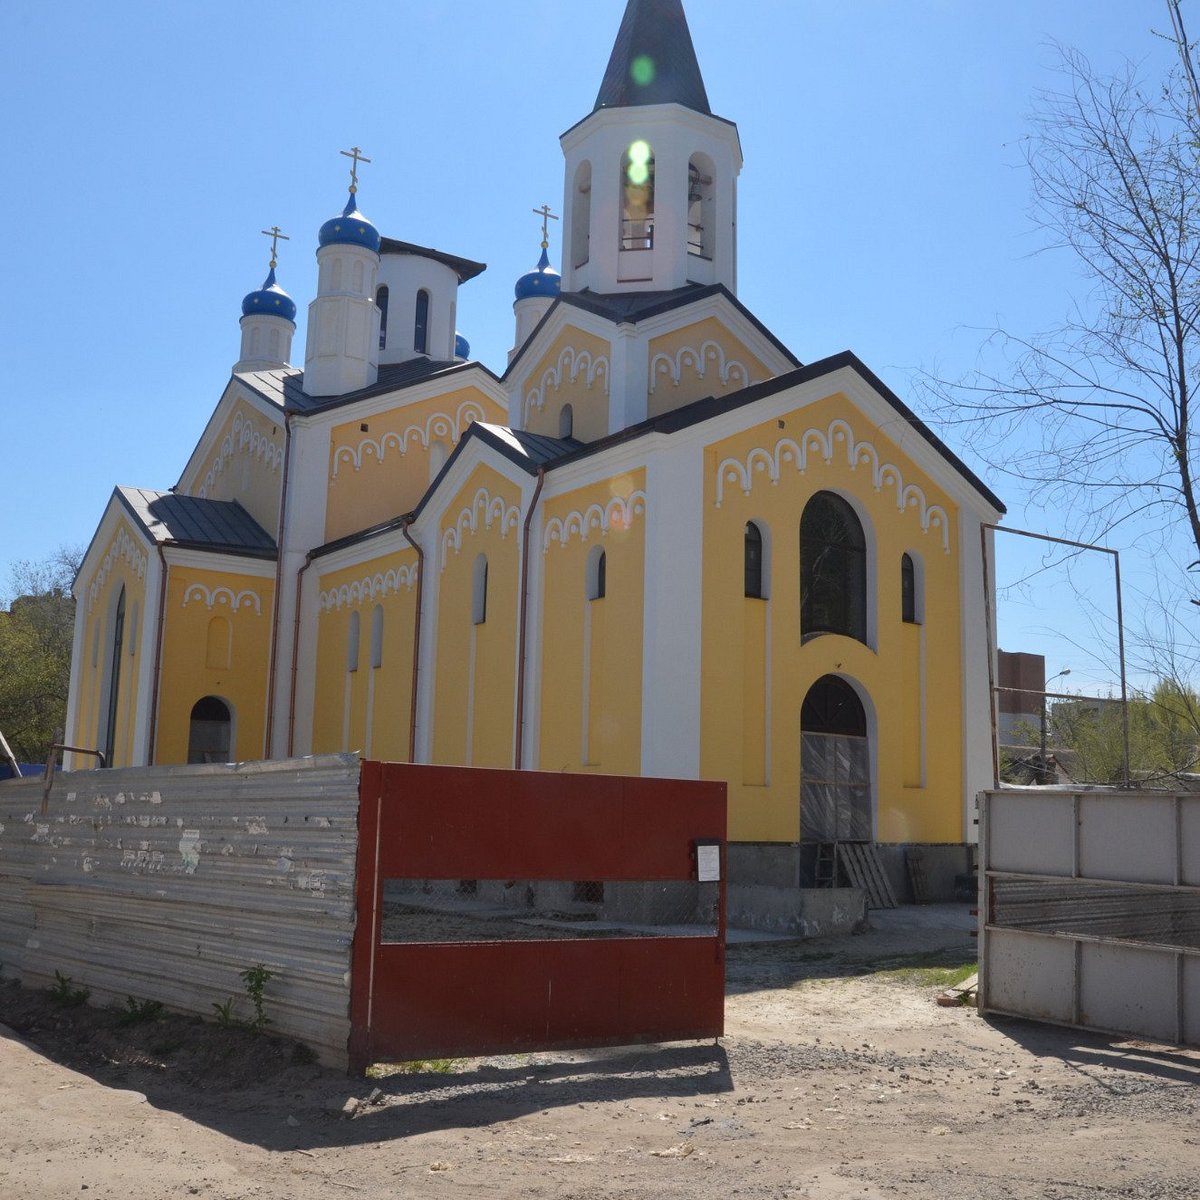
[211,732]
[835,765]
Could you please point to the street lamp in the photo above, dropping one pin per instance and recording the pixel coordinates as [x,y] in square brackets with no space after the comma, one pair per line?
[1045,771]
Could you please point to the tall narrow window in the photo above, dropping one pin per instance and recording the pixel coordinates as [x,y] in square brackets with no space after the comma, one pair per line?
[377,637]
[637,198]
[701,214]
[566,421]
[210,732]
[353,637]
[421,324]
[479,590]
[114,680]
[754,561]
[381,302]
[597,574]
[833,569]
[581,215]
[908,590]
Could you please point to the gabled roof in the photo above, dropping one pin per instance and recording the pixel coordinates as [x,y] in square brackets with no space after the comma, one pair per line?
[632,307]
[464,267]
[653,60]
[223,526]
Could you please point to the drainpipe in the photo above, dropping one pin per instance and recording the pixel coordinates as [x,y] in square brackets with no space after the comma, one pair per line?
[273,669]
[523,620]
[291,729]
[158,646]
[416,669]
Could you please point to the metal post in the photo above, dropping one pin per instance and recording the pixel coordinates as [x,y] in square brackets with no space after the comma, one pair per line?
[1121,651]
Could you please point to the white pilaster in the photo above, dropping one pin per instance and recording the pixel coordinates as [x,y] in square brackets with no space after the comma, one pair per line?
[671,623]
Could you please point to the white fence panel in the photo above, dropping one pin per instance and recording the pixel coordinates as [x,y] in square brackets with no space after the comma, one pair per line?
[165,883]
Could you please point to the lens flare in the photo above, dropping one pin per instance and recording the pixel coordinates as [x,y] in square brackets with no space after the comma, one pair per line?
[642,70]
[640,157]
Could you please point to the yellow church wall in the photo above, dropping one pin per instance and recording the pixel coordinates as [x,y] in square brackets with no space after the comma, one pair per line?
[751,719]
[124,565]
[369,708]
[591,692]
[575,370]
[473,705]
[703,359]
[246,466]
[380,467]
[216,642]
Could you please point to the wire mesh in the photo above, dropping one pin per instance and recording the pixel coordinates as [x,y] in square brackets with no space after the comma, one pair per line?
[494,910]
[1158,916]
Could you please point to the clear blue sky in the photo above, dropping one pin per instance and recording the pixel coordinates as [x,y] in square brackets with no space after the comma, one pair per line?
[883,205]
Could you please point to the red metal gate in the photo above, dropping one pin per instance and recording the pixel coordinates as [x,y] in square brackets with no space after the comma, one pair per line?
[429,998]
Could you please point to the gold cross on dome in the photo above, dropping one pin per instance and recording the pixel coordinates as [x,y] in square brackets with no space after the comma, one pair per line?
[547,216]
[358,156]
[276,235]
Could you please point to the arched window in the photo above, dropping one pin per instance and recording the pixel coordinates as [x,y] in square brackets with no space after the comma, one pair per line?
[581,215]
[833,569]
[210,735]
[908,590]
[335,275]
[377,637]
[835,764]
[381,302]
[597,574]
[109,741]
[359,278]
[637,197]
[353,636]
[421,323]
[701,207]
[566,421]
[754,562]
[479,588]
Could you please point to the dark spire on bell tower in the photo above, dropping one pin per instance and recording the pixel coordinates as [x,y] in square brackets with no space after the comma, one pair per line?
[653,60]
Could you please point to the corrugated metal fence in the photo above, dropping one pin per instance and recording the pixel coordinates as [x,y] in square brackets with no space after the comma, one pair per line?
[165,883]
[1092,910]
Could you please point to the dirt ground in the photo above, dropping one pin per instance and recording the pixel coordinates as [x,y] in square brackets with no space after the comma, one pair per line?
[839,1077]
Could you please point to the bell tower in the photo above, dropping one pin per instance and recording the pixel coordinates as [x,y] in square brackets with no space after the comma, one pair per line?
[650,198]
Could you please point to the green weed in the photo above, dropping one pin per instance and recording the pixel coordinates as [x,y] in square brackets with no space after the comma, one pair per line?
[255,978]
[67,995]
[138,1012]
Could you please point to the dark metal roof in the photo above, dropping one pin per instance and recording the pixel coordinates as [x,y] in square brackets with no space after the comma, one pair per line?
[632,307]
[392,377]
[219,525]
[528,449]
[653,60]
[712,406]
[466,268]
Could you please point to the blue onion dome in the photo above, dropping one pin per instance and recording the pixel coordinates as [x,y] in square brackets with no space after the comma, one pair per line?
[270,299]
[462,348]
[544,280]
[350,229]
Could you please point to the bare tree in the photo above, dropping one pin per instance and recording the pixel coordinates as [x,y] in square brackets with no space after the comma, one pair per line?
[1111,392]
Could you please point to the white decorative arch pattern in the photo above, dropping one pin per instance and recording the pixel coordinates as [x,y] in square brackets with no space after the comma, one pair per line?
[710,354]
[242,438]
[617,514]
[369,589]
[222,597]
[484,508]
[826,443]
[570,365]
[122,547]
[437,425]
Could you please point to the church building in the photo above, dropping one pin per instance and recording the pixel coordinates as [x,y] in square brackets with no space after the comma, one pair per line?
[654,544]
